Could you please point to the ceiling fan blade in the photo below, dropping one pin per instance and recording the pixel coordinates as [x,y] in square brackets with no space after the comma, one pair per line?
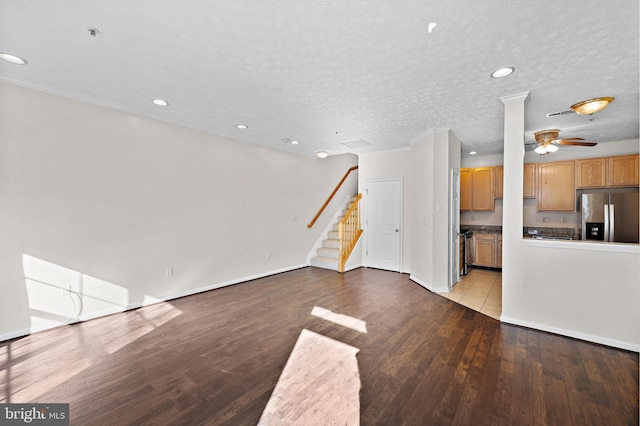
[575,143]
[572,139]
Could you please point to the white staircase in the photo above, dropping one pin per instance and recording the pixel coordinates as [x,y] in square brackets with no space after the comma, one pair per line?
[327,255]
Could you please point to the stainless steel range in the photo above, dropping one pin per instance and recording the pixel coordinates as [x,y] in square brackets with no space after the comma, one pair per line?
[467,253]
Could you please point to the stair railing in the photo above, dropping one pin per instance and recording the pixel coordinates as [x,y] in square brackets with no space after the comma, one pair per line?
[349,232]
[326,203]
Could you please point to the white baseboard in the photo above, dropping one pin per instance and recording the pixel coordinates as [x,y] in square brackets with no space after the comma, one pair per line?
[635,347]
[429,287]
[420,282]
[352,267]
[25,332]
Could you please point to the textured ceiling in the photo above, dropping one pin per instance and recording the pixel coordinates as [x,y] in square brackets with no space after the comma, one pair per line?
[330,72]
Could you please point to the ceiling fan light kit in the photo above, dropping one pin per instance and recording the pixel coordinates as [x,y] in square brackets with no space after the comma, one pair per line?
[546,149]
[591,106]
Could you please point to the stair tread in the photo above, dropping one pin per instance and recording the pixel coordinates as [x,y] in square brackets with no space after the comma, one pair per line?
[324,259]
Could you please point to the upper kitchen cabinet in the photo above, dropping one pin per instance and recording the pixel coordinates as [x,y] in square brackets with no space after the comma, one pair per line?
[591,173]
[623,171]
[476,189]
[530,173]
[556,186]
[465,189]
[499,177]
[529,187]
[607,172]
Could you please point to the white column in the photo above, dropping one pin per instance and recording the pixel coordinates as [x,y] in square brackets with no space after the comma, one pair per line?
[512,222]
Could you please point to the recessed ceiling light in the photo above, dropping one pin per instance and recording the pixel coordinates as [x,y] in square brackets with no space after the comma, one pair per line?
[322,154]
[160,102]
[295,142]
[12,58]
[473,153]
[502,72]
[242,126]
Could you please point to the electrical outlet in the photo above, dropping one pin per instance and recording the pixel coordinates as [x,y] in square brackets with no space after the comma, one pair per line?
[268,255]
[563,219]
[546,219]
[168,272]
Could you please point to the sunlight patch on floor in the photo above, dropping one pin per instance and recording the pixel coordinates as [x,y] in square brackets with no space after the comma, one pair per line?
[320,385]
[341,319]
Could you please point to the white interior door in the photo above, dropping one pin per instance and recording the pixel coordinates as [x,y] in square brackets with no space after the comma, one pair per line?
[384,227]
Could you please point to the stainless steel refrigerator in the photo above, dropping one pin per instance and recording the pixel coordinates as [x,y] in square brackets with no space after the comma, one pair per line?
[610,216]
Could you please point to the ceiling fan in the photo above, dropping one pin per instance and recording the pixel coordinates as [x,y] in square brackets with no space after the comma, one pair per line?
[547,141]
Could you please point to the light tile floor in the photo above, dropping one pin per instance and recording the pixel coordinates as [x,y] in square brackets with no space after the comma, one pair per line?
[480,290]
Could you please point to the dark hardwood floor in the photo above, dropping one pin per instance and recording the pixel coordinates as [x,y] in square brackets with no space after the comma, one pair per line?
[215,358]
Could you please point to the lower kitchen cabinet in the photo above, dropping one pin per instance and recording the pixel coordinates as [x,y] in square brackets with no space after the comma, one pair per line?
[487,250]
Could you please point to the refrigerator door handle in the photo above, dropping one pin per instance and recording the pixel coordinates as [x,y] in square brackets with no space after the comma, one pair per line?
[606,222]
[612,228]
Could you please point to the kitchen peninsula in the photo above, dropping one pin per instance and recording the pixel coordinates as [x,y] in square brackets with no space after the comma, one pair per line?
[563,286]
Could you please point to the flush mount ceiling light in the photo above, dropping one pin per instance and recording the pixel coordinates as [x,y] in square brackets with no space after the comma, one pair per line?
[160,102]
[242,126]
[502,72]
[295,142]
[12,58]
[322,154]
[591,106]
[473,152]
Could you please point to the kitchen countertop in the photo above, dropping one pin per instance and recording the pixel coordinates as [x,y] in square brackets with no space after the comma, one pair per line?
[527,231]
[482,228]
[551,233]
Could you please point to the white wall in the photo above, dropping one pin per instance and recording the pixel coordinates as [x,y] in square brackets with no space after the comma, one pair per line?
[425,169]
[102,202]
[390,164]
[422,211]
[585,290]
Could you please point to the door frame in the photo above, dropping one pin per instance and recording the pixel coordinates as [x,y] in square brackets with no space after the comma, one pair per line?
[454,228]
[367,215]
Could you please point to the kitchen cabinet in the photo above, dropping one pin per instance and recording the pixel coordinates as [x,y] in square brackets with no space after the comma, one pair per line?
[530,173]
[477,189]
[607,172]
[499,250]
[556,186]
[485,250]
[591,173]
[465,189]
[498,190]
[529,185]
[623,170]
